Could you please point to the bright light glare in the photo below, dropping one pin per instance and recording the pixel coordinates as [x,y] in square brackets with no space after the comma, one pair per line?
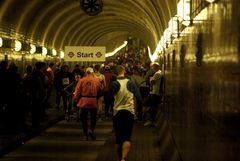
[18,45]
[160,47]
[33,49]
[167,36]
[183,11]
[201,16]
[173,26]
[116,50]
[44,51]
[152,57]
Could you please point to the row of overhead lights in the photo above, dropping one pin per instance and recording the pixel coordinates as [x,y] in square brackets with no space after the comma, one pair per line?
[18,46]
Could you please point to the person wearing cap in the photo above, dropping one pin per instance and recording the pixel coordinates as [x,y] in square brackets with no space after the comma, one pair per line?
[85,97]
[123,91]
[155,95]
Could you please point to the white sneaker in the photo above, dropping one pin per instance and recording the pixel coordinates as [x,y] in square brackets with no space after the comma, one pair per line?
[147,123]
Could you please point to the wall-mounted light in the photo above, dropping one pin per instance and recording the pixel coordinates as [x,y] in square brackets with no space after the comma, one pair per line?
[33,49]
[1,42]
[44,51]
[17,45]
[210,1]
[61,54]
[54,52]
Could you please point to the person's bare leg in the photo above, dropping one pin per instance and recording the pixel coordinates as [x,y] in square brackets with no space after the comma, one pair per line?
[125,149]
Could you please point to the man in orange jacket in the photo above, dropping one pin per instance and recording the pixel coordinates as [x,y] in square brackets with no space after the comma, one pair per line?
[85,96]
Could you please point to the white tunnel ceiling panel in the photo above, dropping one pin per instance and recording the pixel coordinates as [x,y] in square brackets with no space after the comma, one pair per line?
[57,23]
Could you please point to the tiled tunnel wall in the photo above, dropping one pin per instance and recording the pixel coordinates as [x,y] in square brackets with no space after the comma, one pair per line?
[203,89]
[211,87]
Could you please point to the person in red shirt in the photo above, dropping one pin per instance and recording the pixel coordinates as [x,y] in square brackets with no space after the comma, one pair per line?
[85,96]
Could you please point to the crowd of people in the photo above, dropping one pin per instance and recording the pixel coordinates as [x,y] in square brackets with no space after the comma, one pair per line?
[125,92]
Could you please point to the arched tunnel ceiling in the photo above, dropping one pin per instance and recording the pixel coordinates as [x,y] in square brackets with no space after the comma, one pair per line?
[57,23]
